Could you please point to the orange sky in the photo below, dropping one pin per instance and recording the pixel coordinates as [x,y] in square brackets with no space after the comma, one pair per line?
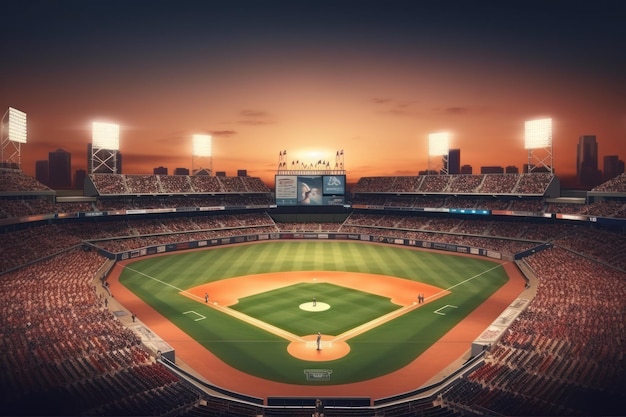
[315,78]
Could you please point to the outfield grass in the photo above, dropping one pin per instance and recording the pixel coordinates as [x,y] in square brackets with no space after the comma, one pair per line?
[384,349]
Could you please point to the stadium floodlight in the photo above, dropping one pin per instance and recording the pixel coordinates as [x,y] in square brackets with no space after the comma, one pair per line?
[105,136]
[438,144]
[201,145]
[538,134]
[17,126]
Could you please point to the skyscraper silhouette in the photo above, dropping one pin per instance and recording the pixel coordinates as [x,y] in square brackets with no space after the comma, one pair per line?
[587,172]
[613,166]
[60,168]
[454,161]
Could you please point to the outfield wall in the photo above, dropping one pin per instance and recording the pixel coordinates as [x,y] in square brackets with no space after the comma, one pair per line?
[198,244]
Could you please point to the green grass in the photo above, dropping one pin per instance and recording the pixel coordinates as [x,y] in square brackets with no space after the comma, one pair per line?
[349,308]
[374,353]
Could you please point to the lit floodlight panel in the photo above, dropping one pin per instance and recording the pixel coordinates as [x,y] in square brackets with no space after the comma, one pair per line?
[201,145]
[538,134]
[105,136]
[17,125]
[438,144]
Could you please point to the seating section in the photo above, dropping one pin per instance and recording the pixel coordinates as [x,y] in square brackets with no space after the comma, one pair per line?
[65,353]
[564,355]
[122,184]
[14,180]
[614,185]
[530,184]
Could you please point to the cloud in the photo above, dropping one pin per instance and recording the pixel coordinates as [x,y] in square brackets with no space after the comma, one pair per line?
[394,107]
[255,122]
[456,110]
[255,118]
[253,113]
[460,110]
[226,133]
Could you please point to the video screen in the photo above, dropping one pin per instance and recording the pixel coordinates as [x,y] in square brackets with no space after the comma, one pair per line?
[310,190]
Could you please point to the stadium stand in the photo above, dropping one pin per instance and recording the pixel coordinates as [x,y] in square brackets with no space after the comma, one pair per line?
[67,353]
[565,354]
[614,185]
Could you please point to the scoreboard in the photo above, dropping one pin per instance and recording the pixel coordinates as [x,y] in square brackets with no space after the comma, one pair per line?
[310,190]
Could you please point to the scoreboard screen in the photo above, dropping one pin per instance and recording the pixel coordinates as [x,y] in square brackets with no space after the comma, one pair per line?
[310,190]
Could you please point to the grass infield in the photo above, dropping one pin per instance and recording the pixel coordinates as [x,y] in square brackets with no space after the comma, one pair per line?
[350,308]
[159,280]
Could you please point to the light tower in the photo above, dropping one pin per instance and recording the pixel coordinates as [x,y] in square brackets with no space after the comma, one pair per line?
[10,152]
[538,142]
[105,145]
[438,146]
[201,159]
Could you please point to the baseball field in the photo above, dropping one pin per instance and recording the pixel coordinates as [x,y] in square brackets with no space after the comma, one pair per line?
[256,310]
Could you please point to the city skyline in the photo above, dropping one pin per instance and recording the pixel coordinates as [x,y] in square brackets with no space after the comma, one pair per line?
[315,77]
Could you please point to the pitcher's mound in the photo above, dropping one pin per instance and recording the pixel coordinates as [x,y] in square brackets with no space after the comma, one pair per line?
[307,350]
[317,307]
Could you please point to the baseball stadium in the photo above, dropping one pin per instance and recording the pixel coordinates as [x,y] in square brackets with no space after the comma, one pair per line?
[204,295]
[340,208]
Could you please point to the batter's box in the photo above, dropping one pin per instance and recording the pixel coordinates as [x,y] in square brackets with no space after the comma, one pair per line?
[440,312]
[199,316]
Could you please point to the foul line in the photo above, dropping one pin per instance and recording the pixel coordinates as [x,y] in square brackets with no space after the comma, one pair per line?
[383,319]
[162,282]
[464,281]
[258,323]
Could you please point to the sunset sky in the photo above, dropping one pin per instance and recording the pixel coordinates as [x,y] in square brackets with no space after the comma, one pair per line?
[373,78]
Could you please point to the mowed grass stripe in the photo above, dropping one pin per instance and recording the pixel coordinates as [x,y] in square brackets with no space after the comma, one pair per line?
[374,353]
[337,257]
[357,262]
[399,259]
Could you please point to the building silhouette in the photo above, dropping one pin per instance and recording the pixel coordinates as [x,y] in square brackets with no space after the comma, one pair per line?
[42,171]
[491,170]
[613,166]
[454,161]
[467,169]
[181,171]
[587,172]
[79,179]
[60,169]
